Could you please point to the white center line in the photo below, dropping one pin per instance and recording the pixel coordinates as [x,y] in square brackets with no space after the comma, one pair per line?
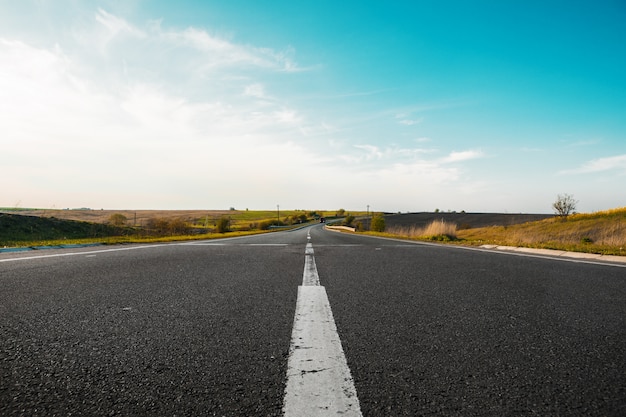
[319,382]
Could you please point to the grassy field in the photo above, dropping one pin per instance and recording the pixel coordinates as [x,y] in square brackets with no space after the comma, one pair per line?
[33,227]
[17,230]
[601,232]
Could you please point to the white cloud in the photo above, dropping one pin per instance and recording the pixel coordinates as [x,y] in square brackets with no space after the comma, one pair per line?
[76,127]
[611,163]
[462,156]
[404,119]
[423,139]
[116,26]
[160,118]
[256,90]
[218,52]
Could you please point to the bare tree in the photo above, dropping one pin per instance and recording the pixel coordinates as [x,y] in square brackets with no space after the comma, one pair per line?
[564,205]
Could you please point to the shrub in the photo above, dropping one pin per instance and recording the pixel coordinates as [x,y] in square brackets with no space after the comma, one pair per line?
[157,225]
[223,225]
[178,227]
[117,219]
[163,227]
[266,224]
[378,223]
[348,220]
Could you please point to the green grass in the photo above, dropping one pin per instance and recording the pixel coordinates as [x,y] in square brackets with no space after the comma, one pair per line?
[18,230]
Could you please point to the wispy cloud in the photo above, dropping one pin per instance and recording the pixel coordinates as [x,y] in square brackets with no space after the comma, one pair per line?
[409,122]
[462,156]
[612,163]
[136,106]
[204,50]
[581,143]
[423,139]
[255,90]
[406,120]
[368,153]
[116,26]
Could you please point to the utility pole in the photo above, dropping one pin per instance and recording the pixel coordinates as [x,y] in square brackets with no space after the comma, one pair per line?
[368,210]
[278,211]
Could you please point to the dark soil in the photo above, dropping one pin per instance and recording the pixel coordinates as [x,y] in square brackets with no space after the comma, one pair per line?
[462,220]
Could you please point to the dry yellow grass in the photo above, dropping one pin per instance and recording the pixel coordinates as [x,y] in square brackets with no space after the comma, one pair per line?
[436,230]
[195,218]
[600,232]
[134,217]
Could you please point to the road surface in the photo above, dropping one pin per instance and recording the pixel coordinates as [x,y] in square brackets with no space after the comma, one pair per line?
[207,328]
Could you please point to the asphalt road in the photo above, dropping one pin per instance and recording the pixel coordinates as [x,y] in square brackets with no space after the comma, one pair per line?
[204,328]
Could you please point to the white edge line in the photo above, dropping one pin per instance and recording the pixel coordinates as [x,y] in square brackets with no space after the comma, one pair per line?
[88,252]
[563,258]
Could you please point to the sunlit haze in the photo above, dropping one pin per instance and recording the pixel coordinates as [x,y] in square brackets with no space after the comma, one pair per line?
[400,106]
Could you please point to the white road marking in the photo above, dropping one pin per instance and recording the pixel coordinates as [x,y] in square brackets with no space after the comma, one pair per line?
[310,276]
[319,382]
[86,253]
[233,244]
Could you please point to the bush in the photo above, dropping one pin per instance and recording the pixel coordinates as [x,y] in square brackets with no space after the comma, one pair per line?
[266,224]
[178,227]
[157,225]
[163,227]
[223,225]
[378,223]
[348,220]
[118,219]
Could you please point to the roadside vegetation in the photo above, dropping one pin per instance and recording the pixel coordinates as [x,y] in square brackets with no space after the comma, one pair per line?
[438,230]
[601,232]
[31,227]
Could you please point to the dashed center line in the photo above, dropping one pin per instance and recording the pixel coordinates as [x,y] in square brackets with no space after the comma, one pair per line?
[319,382]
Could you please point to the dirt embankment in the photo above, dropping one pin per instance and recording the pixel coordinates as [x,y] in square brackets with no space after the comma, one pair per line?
[17,228]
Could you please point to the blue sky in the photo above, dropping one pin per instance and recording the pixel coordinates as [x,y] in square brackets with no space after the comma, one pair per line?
[400,106]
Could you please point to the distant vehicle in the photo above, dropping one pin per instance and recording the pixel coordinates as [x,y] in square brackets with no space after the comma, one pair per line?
[322,219]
